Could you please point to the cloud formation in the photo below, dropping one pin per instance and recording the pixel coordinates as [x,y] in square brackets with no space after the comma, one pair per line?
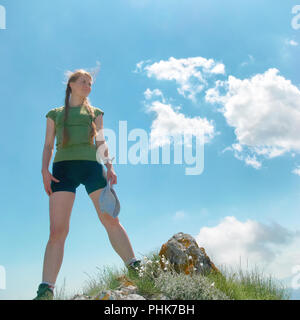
[190,74]
[233,241]
[264,111]
[170,122]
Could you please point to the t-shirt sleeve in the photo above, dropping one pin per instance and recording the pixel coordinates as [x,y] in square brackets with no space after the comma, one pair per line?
[51,114]
[98,111]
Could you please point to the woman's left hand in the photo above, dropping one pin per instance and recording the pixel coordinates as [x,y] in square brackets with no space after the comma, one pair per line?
[111,175]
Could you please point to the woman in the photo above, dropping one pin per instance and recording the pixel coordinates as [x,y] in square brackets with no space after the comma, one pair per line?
[75,125]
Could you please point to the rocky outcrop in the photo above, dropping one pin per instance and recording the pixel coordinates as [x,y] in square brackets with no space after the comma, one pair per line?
[183,252]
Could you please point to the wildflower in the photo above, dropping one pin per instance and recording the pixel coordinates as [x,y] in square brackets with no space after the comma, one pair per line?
[190,258]
[213,284]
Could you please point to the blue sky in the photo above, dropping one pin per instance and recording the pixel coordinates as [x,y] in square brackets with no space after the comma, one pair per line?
[163,64]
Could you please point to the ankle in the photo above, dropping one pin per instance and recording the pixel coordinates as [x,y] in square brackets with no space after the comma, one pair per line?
[51,285]
[130,261]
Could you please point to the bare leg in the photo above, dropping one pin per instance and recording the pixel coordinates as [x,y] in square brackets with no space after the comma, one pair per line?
[60,205]
[116,232]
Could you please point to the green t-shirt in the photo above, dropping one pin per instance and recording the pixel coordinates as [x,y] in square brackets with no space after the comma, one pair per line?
[79,126]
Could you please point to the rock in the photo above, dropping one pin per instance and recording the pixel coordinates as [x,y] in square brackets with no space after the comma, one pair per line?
[126,291]
[81,297]
[159,296]
[131,297]
[183,252]
[120,294]
[104,295]
[125,282]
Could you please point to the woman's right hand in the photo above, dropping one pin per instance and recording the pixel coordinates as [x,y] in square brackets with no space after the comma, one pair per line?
[47,177]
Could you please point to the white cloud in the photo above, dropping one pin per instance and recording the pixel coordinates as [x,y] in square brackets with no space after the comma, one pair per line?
[149,94]
[243,156]
[264,110]
[139,66]
[235,243]
[170,122]
[296,171]
[251,161]
[251,60]
[292,43]
[190,73]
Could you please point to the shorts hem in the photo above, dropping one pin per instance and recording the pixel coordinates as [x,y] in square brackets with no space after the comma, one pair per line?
[64,190]
[95,189]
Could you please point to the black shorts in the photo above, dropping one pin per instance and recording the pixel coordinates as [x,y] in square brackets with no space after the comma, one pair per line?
[72,173]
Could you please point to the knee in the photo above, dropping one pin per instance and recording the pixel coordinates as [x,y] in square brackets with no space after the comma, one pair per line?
[58,234]
[109,222]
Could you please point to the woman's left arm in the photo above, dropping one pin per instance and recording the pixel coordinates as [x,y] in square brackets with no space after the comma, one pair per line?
[101,140]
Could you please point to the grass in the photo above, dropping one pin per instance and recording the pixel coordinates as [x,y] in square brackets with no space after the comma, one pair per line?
[249,285]
[151,281]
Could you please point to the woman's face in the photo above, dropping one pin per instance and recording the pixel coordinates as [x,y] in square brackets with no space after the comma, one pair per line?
[82,86]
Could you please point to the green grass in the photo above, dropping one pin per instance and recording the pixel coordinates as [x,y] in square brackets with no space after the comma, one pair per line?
[152,280]
[249,285]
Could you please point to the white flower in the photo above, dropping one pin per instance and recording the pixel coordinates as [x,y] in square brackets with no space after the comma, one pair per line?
[201,264]
[213,284]
[190,258]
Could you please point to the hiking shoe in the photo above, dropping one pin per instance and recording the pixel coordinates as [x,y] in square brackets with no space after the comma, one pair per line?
[134,267]
[44,292]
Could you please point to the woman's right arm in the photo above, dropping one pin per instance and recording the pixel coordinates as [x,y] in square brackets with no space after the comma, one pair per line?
[49,144]
[47,154]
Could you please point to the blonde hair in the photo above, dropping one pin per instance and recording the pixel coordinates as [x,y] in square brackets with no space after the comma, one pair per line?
[73,76]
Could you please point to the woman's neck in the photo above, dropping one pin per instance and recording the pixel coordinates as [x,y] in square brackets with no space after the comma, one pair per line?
[75,101]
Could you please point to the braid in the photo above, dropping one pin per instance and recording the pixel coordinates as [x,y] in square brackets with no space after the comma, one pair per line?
[67,107]
[91,112]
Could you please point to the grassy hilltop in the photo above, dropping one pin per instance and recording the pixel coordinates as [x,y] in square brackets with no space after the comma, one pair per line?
[151,281]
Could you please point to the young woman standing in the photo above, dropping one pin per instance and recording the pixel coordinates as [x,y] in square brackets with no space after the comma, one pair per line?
[75,125]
